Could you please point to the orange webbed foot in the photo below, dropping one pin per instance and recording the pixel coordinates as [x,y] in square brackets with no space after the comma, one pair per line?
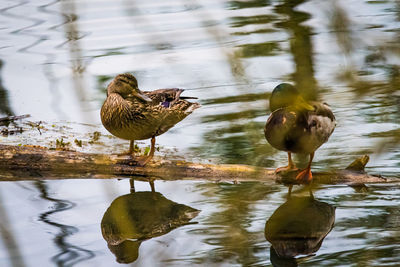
[305,176]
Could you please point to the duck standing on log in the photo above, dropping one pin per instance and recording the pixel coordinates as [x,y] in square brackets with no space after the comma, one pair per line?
[132,114]
[297,126]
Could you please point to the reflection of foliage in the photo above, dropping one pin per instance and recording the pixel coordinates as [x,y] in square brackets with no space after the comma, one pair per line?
[340,24]
[246,114]
[244,21]
[300,46]
[237,137]
[102,82]
[242,143]
[255,31]
[383,223]
[238,98]
[5,107]
[248,4]
[260,49]
[384,92]
[228,230]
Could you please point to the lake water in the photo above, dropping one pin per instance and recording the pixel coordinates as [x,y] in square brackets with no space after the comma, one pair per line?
[57,57]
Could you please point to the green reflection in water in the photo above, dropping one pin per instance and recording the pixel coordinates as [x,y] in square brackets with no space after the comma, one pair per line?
[228,229]
[260,49]
[300,46]
[248,4]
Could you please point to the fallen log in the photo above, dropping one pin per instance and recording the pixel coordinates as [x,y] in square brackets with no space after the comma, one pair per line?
[38,163]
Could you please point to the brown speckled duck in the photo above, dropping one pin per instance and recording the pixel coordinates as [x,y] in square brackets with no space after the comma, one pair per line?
[132,114]
[297,126]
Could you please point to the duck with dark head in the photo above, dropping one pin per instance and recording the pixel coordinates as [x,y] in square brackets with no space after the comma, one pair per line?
[297,126]
[132,114]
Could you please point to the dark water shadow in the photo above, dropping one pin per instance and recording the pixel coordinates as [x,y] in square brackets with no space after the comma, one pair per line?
[298,227]
[69,254]
[229,229]
[5,107]
[8,238]
[301,46]
[139,216]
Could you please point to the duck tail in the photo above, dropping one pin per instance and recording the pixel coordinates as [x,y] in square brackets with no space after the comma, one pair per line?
[192,107]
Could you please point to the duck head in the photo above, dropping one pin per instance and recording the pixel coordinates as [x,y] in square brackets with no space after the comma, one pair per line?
[126,86]
[285,95]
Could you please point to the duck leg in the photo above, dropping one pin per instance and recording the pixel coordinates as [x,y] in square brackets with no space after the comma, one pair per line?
[289,195]
[131,151]
[305,176]
[132,184]
[151,154]
[290,167]
[151,182]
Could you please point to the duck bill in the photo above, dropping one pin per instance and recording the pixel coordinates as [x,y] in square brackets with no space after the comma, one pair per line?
[142,96]
[303,105]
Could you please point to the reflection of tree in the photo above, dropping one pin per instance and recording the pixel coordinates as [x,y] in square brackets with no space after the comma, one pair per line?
[8,238]
[69,254]
[381,93]
[228,229]
[248,4]
[380,228]
[5,107]
[300,47]
[240,138]
[73,36]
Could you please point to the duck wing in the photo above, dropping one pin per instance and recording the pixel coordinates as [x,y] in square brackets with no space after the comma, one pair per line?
[166,97]
[321,120]
[314,127]
[297,131]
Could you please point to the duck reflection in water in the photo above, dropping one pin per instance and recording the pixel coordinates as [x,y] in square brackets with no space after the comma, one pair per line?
[298,227]
[138,216]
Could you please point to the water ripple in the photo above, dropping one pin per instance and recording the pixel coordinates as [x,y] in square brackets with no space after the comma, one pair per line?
[69,254]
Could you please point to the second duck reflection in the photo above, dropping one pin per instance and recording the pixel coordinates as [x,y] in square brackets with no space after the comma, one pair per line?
[298,227]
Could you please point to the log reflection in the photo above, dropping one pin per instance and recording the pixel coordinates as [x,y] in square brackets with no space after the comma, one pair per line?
[138,216]
[298,227]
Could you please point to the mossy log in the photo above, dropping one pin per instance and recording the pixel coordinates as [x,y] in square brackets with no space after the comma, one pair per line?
[33,163]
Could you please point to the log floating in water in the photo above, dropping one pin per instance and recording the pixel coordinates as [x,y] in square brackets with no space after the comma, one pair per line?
[32,163]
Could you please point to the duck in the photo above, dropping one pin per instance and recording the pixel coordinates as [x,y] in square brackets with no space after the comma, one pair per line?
[131,114]
[297,126]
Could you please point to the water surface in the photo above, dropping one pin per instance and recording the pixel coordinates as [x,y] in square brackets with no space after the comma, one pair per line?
[57,57]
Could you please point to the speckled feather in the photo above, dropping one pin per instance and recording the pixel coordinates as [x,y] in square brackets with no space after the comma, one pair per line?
[297,131]
[134,119]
